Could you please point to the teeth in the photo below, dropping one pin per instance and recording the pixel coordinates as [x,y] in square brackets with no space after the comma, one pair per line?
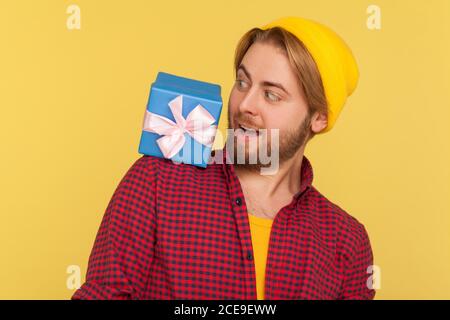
[249,131]
[245,128]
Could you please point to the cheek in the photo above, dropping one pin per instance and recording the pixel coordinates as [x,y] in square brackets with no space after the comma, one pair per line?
[274,119]
[234,102]
[281,120]
[234,99]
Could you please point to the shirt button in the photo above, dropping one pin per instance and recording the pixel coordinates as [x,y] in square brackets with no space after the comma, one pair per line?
[249,255]
[238,201]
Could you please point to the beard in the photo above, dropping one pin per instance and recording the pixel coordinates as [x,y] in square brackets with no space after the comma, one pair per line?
[289,142]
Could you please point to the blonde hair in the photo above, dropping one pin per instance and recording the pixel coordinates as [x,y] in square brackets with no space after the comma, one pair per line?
[299,57]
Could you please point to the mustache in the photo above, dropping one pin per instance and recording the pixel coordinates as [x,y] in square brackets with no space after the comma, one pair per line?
[246,122]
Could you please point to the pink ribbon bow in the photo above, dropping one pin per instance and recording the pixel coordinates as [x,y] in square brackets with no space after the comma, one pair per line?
[198,124]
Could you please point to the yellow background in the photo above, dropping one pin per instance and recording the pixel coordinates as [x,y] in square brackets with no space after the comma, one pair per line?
[72,103]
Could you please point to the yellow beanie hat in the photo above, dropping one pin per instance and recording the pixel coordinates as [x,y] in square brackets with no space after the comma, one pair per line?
[334,59]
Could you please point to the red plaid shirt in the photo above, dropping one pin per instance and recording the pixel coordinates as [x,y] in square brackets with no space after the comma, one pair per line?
[176,231]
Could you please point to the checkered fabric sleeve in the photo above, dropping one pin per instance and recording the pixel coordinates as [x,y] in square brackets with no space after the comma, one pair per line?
[122,253]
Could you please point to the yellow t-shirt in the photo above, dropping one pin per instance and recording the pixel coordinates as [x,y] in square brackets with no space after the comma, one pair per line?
[260,231]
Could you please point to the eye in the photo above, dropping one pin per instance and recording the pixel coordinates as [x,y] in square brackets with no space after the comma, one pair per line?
[241,83]
[271,96]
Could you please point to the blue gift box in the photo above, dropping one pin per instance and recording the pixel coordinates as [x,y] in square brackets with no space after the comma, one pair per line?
[181,119]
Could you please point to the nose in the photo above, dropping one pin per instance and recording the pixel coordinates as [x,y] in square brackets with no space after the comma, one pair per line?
[249,104]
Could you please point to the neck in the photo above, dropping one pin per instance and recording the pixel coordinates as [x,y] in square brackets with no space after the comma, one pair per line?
[285,182]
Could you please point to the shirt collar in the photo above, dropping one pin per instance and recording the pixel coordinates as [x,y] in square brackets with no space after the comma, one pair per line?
[306,171]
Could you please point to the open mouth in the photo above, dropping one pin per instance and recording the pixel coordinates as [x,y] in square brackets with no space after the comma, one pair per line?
[247,131]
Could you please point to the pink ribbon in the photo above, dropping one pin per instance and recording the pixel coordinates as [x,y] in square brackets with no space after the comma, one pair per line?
[198,124]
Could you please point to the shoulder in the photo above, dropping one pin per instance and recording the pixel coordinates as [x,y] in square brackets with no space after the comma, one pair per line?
[349,232]
[142,169]
[150,162]
[150,167]
[154,164]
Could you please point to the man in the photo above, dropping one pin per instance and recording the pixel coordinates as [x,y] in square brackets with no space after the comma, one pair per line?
[176,231]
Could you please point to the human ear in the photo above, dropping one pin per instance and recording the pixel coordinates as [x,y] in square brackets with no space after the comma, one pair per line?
[319,121]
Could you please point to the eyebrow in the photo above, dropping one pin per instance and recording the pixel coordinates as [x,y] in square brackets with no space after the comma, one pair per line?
[264,83]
